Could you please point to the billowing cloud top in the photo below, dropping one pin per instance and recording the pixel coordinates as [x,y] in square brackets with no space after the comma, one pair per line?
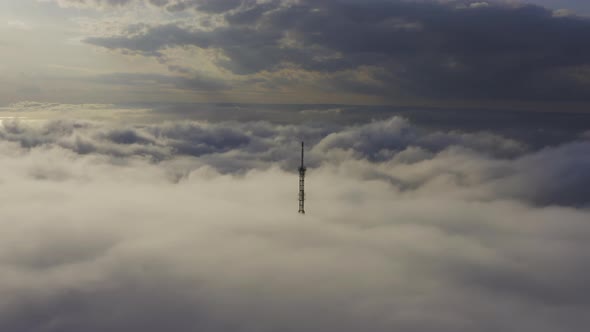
[192,225]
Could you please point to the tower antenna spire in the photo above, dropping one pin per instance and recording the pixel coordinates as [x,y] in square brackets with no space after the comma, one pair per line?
[302,170]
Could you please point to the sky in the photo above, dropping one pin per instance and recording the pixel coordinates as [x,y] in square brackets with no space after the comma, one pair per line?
[497,54]
[149,154]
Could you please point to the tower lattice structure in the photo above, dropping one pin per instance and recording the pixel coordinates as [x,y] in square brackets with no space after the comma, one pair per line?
[302,170]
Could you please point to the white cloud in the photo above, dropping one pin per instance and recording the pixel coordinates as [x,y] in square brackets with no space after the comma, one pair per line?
[19,25]
[563,13]
[89,3]
[479,5]
[425,238]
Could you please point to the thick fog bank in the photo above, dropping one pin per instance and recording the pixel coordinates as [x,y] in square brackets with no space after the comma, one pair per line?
[192,226]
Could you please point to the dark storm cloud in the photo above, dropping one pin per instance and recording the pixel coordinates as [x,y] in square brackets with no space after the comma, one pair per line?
[154,39]
[252,50]
[451,50]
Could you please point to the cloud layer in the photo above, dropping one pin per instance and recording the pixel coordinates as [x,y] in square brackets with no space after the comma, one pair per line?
[441,50]
[186,226]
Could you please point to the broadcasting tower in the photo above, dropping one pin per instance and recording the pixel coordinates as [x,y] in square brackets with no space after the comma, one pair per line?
[302,184]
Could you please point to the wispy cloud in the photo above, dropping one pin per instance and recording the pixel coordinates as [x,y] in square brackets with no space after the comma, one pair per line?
[19,25]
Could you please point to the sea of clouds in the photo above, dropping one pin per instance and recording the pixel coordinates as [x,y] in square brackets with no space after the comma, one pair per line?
[193,226]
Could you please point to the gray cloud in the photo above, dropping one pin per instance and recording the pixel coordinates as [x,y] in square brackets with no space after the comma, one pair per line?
[196,82]
[92,3]
[213,6]
[493,164]
[430,49]
[408,228]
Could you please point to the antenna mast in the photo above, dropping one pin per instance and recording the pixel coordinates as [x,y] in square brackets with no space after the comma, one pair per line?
[302,170]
